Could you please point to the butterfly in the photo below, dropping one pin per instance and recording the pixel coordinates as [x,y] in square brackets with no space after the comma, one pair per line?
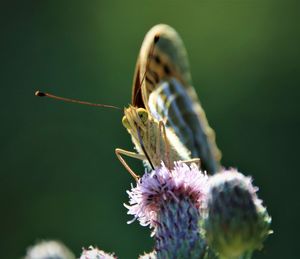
[166,120]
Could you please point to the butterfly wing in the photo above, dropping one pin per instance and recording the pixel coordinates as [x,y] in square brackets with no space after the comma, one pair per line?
[163,86]
[159,57]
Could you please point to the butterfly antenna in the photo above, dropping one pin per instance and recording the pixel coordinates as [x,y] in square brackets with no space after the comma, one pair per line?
[42,94]
[143,148]
[156,38]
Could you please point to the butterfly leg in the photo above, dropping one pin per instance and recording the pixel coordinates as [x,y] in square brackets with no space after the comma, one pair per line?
[119,152]
[162,129]
[196,161]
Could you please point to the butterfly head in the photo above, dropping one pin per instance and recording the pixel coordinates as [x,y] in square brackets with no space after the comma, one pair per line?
[135,118]
[138,123]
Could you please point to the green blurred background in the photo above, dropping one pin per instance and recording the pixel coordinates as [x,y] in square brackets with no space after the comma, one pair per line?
[60,178]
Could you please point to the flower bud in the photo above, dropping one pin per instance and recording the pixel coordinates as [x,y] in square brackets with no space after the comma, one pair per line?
[95,253]
[236,221]
[151,255]
[49,250]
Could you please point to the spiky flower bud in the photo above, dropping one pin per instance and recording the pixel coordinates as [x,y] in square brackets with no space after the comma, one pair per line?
[169,201]
[151,255]
[49,250]
[236,222]
[95,253]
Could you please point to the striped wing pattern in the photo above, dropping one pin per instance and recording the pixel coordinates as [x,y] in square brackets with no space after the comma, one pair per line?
[172,104]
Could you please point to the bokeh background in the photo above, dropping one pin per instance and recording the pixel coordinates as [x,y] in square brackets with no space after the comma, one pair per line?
[60,178]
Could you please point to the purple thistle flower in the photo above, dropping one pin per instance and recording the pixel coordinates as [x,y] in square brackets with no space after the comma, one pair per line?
[161,185]
[169,201]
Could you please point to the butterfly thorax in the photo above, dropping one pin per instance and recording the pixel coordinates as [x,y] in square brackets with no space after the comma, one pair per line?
[147,134]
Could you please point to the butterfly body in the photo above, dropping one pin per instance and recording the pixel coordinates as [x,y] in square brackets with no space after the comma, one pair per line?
[147,131]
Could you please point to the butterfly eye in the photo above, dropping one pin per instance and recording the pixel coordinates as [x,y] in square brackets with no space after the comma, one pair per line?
[125,122]
[143,114]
